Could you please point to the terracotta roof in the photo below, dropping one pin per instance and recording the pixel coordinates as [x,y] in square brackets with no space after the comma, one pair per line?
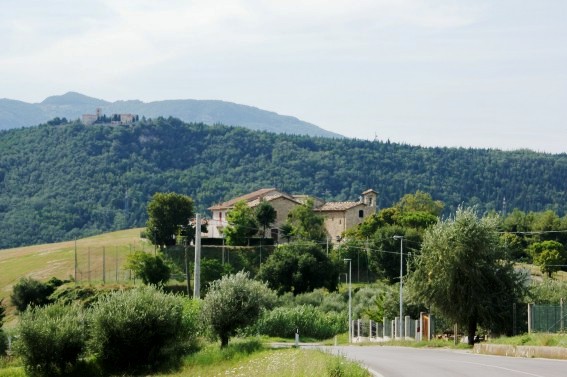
[253,198]
[272,196]
[338,206]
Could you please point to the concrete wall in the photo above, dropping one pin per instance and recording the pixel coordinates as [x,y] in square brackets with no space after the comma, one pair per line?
[521,351]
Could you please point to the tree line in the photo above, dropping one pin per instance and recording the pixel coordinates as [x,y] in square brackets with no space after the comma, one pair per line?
[63,180]
[462,266]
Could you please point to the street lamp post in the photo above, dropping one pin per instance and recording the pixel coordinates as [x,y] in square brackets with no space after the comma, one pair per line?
[400,326]
[349,299]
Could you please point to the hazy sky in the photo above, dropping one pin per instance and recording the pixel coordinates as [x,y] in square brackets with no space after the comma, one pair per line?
[480,73]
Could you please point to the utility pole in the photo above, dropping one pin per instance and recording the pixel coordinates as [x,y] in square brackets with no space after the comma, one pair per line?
[349,299]
[197,272]
[75,260]
[401,238]
[187,275]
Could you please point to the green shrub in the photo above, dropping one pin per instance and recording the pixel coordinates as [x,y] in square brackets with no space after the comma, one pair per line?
[310,321]
[3,343]
[140,330]
[322,299]
[84,295]
[2,312]
[152,269]
[28,291]
[211,270]
[51,339]
[233,303]
[337,366]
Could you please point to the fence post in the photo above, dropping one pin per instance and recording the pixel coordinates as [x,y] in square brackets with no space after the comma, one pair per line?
[89,263]
[514,320]
[103,265]
[370,328]
[561,313]
[530,318]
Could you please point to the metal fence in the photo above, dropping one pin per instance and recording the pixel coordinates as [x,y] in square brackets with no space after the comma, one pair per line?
[546,318]
[105,263]
[369,330]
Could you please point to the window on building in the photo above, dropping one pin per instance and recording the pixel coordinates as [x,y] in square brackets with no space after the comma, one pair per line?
[361,213]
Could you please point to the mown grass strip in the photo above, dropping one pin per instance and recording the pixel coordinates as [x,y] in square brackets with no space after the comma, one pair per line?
[250,358]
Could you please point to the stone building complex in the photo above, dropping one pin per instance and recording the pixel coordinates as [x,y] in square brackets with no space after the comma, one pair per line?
[339,216]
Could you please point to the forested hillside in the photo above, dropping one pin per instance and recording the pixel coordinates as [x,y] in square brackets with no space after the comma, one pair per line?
[62,181]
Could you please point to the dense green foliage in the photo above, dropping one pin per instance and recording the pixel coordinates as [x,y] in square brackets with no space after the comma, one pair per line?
[3,340]
[308,320]
[51,339]
[233,303]
[167,213]
[265,215]
[462,272]
[242,224]
[306,224]
[139,330]
[550,256]
[2,312]
[298,267]
[548,291]
[64,181]
[152,269]
[30,292]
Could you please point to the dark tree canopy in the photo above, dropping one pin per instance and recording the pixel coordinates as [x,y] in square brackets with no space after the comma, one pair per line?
[167,213]
[265,215]
[463,273]
[299,267]
[153,270]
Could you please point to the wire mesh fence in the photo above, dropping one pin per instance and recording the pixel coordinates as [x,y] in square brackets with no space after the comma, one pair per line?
[546,318]
[105,264]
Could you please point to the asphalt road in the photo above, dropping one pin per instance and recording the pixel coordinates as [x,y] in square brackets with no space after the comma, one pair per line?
[413,362]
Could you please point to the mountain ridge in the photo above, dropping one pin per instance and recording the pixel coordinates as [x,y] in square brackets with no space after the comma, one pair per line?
[71,105]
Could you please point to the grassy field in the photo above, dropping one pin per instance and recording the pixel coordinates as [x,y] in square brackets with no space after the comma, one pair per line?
[58,260]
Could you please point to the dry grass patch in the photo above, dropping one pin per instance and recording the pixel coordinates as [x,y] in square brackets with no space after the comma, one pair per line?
[42,262]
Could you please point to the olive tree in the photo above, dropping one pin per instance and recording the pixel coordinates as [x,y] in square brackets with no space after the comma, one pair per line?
[235,302]
[463,273]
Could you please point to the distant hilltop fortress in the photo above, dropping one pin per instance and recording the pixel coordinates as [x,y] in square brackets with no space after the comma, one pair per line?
[99,118]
